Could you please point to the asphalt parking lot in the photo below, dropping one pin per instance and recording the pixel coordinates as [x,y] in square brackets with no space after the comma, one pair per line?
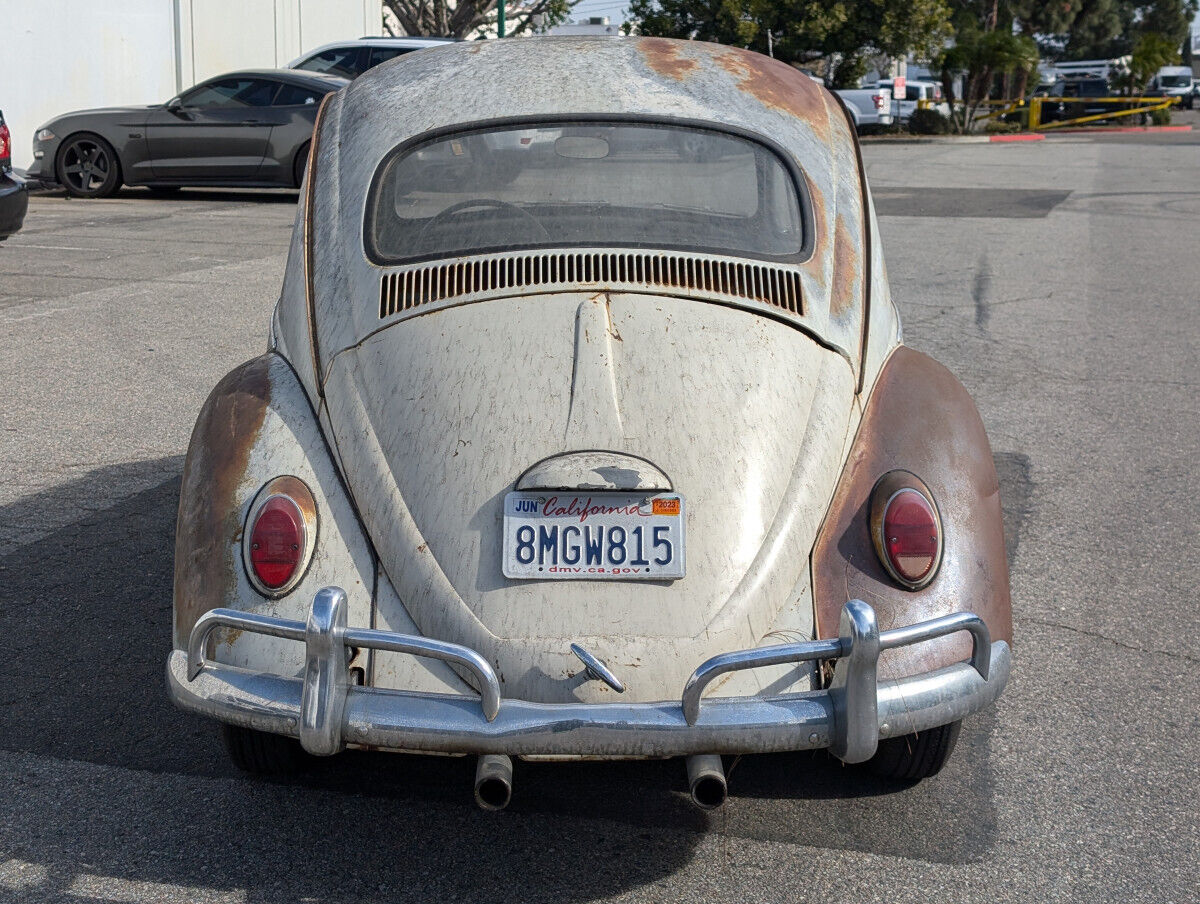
[1058,279]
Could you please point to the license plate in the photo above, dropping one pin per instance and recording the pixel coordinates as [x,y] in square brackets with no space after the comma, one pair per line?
[593,536]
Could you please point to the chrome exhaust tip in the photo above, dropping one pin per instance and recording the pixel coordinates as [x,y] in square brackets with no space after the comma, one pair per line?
[493,781]
[706,779]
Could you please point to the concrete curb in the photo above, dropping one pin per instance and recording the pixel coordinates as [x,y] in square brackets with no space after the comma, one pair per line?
[924,139]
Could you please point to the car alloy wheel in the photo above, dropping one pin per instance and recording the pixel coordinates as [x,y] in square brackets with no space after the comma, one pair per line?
[88,167]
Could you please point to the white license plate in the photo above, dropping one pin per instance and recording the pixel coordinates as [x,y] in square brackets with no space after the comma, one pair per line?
[593,536]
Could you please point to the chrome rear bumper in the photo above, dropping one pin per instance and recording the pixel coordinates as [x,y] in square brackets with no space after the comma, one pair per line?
[326,712]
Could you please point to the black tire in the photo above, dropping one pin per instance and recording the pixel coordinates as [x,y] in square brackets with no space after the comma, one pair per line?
[300,164]
[916,756]
[87,166]
[260,753]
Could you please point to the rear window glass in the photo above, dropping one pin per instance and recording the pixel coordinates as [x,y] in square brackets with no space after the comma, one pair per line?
[383,54]
[294,95]
[341,61]
[574,184]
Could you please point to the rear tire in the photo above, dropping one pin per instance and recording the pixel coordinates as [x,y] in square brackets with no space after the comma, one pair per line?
[260,753]
[300,165]
[916,756]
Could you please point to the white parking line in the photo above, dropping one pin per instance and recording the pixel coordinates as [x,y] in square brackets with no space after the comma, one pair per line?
[111,888]
[54,247]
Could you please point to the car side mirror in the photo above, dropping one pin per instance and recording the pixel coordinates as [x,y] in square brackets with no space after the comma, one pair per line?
[174,105]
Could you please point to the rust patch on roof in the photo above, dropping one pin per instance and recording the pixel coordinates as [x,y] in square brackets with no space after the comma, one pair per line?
[662,55]
[777,85]
[847,272]
[208,528]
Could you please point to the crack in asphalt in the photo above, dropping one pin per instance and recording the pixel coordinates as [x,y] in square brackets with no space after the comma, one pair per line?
[1119,643]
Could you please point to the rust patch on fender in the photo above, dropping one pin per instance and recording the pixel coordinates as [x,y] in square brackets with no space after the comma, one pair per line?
[662,55]
[919,418]
[847,272]
[778,86]
[820,228]
[208,524]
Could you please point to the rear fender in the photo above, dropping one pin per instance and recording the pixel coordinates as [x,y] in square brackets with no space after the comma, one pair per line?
[257,425]
[918,418]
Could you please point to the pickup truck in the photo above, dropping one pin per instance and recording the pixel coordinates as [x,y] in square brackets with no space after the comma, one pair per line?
[867,106]
[914,92]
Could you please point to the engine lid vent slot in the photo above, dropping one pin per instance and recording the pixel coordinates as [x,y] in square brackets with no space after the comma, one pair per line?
[412,287]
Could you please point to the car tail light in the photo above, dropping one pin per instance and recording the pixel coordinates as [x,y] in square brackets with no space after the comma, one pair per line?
[5,147]
[279,536]
[906,529]
[878,101]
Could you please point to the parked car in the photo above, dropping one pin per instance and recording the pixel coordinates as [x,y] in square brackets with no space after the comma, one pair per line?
[619,457]
[1173,81]
[14,200]
[249,128]
[350,59]
[914,93]
[867,106]
[1083,88]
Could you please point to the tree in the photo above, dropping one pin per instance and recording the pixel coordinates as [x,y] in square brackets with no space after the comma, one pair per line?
[843,32]
[1150,53]
[461,18]
[1106,29]
[982,57]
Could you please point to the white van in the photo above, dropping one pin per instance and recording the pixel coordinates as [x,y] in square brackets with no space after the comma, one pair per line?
[1173,81]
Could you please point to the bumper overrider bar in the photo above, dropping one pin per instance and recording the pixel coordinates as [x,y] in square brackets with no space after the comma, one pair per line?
[326,711]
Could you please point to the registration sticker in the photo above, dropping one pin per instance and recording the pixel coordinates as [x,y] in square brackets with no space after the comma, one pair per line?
[552,535]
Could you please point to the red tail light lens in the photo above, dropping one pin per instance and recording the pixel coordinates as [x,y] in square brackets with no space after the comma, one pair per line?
[5,145]
[277,542]
[910,535]
[906,529]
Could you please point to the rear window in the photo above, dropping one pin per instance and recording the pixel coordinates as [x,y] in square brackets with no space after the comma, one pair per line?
[294,95]
[581,183]
[341,61]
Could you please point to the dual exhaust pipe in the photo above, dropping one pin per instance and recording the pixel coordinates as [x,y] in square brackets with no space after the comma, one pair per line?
[705,773]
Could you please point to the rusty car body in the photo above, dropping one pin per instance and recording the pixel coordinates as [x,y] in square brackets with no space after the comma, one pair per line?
[586,305]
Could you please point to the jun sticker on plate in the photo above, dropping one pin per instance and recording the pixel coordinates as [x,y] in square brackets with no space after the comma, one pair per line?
[593,536]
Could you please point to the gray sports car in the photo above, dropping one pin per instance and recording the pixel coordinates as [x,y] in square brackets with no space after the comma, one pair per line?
[249,128]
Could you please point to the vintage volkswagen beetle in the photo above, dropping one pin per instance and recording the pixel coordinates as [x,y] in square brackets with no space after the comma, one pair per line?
[586,430]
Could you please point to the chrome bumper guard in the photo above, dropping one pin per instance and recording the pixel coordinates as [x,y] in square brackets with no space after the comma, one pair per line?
[326,712]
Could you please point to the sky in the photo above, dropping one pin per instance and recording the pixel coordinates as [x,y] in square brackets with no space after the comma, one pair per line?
[614,9]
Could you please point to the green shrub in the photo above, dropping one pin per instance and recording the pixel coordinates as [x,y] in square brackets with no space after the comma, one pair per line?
[1161,117]
[928,122]
[996,127]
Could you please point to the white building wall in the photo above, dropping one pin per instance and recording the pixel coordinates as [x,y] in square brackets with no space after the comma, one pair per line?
[63,55]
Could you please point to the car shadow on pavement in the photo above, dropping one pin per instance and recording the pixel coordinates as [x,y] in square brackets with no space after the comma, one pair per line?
[185,195]
[88,610]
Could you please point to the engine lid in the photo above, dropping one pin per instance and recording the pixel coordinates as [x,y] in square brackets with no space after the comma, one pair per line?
[438,417]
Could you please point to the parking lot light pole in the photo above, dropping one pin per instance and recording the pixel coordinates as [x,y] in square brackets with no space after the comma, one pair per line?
[500,19]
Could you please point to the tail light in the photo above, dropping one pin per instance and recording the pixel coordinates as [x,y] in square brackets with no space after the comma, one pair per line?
[279,537]
[878,100]
[906,529]
[5,147]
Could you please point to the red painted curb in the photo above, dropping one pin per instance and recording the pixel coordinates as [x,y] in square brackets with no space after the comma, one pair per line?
[1078,129]
[1026,136]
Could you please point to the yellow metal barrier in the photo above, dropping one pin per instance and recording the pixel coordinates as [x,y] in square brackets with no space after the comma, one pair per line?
[1148,105]
[1140,105]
